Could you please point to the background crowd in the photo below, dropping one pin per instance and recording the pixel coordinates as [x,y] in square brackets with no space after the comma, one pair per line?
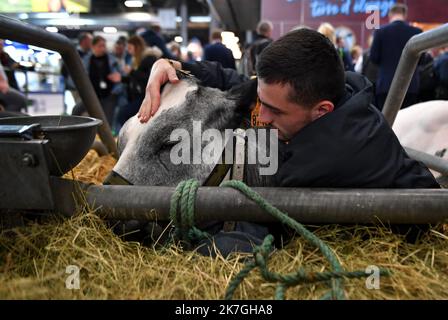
[119,75]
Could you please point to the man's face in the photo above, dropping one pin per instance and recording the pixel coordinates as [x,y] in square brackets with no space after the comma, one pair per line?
[86,43]
[119,49]
[276,110]
[99,49]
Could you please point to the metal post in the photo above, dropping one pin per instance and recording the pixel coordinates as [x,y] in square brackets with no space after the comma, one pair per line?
[432,162]
[407,65]
[26,33]
[413,206]
[184,23]
[249,36]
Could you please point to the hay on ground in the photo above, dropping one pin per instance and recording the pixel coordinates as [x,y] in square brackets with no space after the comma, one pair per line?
[34,261]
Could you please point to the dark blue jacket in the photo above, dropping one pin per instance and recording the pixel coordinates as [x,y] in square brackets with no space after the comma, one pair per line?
[441,69]
[351,147]
[153,39]
[387,46]
[219,53]
[346,59]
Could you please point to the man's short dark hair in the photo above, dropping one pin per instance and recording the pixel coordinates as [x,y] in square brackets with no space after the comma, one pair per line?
[216,35]
[264,27]
[309,62]
[399,8]
[122,40]
[84,35]
[97,39]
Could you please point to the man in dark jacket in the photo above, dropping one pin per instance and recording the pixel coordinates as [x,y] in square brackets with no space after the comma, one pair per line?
[10,65]
[331,134]
[253,51]
[441,75]
[387,46]
[153,38]
[217,51]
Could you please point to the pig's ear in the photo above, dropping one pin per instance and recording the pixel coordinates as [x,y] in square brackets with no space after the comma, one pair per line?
[244,94]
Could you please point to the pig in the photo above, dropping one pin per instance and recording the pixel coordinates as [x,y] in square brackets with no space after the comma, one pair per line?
[146,154]
[424,127]
[146,149]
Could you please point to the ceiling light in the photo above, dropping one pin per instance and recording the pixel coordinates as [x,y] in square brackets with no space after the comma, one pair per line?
[52,29]
[200,19]
[133,3]
[110,30]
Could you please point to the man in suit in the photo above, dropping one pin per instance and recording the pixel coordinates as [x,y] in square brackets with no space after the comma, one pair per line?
[216,51]
[387,46]
[441,75]
[153,37]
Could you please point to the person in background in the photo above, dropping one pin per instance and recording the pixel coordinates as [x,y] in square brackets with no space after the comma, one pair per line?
[10,99]
[105,74]
[84,47]
[328,30]
[387,47]
[428,82]
[4,85]
[153,37]
[142,60]
[344,54]
[369,69]
[253,51]
[195,51]
[217,51]
[441,74]
[356,54]
[124,60]
[10,65]
[122,55]
[174,48]
[84,43]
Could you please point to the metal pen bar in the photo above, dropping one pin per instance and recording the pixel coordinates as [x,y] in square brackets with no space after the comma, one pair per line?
[407,65]
[26,33]
[432,162]
[409,206]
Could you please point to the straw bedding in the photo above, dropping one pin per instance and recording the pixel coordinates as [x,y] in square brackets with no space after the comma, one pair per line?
[34,258]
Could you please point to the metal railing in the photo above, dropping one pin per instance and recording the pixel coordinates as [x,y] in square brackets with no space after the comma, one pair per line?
[407,65]
[402,79]
[19,31]
[395,206]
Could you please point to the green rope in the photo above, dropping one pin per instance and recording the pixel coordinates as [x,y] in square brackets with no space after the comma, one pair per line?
[183,219]
[261,255]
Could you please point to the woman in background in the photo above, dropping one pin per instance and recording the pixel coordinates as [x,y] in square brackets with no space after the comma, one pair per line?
[142,60]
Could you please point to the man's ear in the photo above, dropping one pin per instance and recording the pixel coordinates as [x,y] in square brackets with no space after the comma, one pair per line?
[321,109]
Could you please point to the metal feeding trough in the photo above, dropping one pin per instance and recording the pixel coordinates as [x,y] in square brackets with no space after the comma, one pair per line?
[69,137]
[33,149]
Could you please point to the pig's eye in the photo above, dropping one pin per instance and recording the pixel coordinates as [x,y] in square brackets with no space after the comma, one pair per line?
[169,143]
[172,142]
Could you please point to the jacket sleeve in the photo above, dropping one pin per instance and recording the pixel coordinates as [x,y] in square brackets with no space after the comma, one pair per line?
[144,69]
[212,74]
[114,65]
[375,50]
[118,87]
